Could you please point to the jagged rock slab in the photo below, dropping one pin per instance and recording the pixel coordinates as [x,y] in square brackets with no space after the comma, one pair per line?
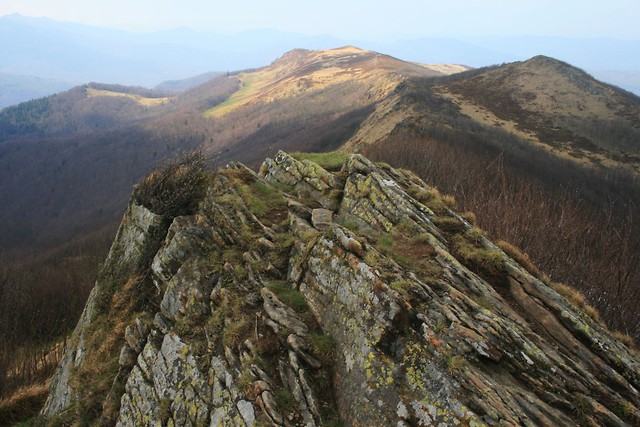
[383,307]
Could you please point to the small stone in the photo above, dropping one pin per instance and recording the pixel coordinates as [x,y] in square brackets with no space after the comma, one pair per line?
[143,329]
[127,357]
[260,386]
[293,360]
[133,338]
[246,411]
[321,218]
[282,313]
[349,243]
[250,257]
[262,375]
[273,325]
[314,404]
[266,244]
[161,323]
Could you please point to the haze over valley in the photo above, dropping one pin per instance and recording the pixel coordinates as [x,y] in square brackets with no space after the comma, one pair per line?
[43,56]
[397,224]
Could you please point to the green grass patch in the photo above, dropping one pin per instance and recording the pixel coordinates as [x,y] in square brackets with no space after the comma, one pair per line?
[455,363]
[291,297]
[449,224]
[331,160]
[351,224]
[235,332]
[401,286]
[249,88]
[475,234]
[265,201]
[285,400]
[431,198]
[322,346]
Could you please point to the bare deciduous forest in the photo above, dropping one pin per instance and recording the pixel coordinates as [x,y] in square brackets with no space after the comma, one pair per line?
[579,232]
[40,302]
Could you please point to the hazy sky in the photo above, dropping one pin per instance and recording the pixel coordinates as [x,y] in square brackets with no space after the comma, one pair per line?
[353,18]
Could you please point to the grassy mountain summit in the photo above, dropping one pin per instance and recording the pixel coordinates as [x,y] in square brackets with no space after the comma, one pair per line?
[543,101]
[303,71]
[552,103]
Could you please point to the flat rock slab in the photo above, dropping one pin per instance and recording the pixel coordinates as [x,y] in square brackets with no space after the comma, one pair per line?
[321,218]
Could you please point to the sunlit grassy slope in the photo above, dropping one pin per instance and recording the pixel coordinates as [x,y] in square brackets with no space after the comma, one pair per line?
[301,71]
[147,102]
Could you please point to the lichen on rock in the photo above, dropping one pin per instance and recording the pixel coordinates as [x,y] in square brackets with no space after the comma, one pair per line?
[299,296]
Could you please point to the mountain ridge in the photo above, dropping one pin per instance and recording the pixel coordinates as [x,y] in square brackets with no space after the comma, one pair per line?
[100,54]
[408,311]
[366,108]
[558,101]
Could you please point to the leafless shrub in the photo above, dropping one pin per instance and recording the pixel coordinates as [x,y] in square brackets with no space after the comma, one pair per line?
[174,188]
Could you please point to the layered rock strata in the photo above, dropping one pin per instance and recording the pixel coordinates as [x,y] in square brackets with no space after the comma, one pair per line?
[301,296]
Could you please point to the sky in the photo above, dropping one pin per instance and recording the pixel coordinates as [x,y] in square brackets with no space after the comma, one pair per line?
[355,19]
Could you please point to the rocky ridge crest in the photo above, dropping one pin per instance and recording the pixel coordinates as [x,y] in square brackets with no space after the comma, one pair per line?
[307,296]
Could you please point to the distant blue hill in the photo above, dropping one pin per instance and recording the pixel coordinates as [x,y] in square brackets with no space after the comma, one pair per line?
[75,53]
[17,88]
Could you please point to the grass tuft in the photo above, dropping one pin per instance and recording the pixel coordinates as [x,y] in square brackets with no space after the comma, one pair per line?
[455,363]
[520,257]
[576,298]
[624,338]
[174,188]
[285,400]
[581,407]
[291,297]
[322,347]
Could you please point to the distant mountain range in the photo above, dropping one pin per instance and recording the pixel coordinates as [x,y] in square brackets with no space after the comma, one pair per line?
[16,88]
[522,144]
[76,154]
[78,54]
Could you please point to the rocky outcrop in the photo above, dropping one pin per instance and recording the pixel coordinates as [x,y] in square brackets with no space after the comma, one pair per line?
[139,236]
[299,296]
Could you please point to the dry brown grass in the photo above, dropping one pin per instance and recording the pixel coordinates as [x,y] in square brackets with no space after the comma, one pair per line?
[147,102]
[23,404]
[576,298]
[626,339]
[299,72]
[520,257]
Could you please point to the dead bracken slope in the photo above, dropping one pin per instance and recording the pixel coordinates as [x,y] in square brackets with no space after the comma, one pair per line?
[307,296]
[303,71]
[555,106]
